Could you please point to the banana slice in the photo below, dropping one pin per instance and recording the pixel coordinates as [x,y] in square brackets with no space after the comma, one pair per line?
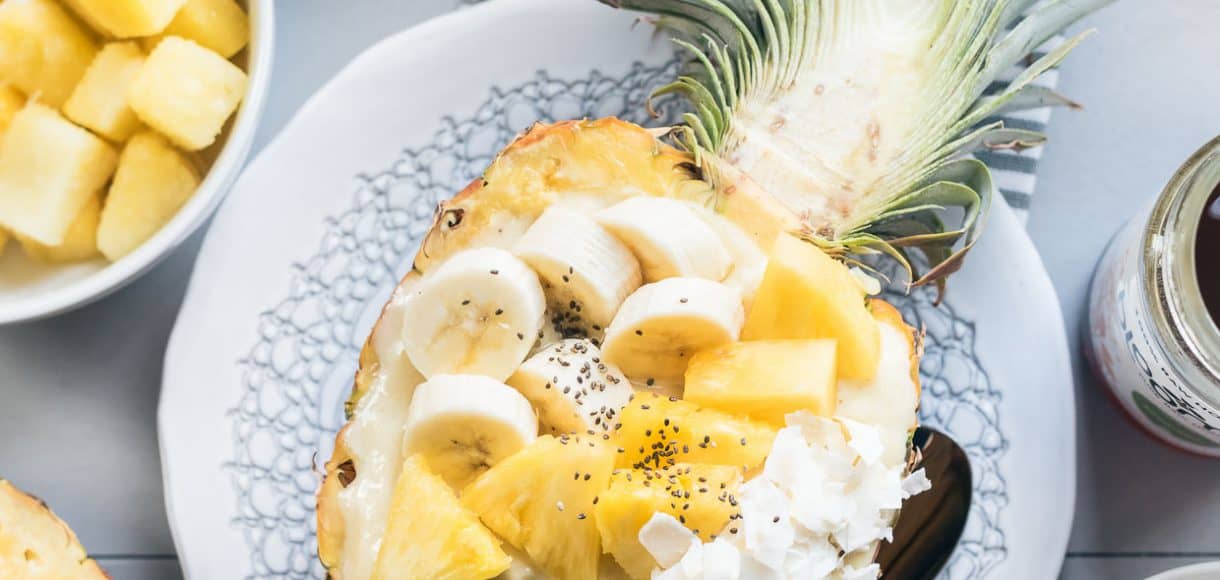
[668,238]
[464,424]
[662,324]
[572,388]
[586,272]
[477,313]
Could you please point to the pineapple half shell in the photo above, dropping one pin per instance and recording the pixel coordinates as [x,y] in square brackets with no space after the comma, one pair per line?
[590,164]
[35,544]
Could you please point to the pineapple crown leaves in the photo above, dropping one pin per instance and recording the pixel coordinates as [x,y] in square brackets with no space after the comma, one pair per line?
[752,50]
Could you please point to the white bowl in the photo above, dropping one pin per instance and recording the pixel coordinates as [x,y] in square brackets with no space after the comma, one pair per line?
[1204,571]
[29,290]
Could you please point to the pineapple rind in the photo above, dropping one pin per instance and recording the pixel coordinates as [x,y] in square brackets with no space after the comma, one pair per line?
[742,202]
[36,545]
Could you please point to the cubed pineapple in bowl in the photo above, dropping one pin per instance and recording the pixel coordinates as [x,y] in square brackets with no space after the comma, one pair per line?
[127,18]
[44,51]
[218,25]
[162,192]
[186,92]
[99,102]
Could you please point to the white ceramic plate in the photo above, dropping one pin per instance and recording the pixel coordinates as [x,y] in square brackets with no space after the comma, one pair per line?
[30,290]
[318,229]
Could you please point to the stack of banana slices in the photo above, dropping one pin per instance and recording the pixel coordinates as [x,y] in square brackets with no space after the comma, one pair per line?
[556,334]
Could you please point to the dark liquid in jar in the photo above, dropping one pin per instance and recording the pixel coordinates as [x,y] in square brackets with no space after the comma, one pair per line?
[1207,255]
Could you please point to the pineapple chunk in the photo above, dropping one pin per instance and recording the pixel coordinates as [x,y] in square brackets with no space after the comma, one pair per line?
[187,92]
[36,545]
[540,500]
[127,18]
[700,496]
[765,379]
[4,238]
[99,102]
[48,170]
[152,183]
[11,101]
[80,243]
[218,25]
[659,431]
[431,535]
[807,294]
[43,51]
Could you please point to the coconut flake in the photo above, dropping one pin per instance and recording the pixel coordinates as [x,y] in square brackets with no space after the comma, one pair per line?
[916,483]
[721,560]
[769,532]
[871,571]
[865,441]
[666,539]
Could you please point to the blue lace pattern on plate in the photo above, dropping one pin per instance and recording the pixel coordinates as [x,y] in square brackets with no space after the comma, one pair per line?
[299,367]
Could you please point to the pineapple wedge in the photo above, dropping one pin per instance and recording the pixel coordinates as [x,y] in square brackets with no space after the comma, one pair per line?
[127,18]
[99,102]
[807,294]
[659,431]
[702,497]
[37,545]
[218,25]
[431,536]
[540,500]
[765,379]
[186,92]
[43,50]
[11,101]
[152,183]
[48,170]
[4,238]
[80,243]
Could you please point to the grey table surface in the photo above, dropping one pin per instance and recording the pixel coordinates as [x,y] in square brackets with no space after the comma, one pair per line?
[79,392]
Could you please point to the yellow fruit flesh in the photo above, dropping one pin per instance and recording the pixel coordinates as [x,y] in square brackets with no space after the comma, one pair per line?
[127,18]
[540,500]
[37,545]
[187,92]
[49,168]
[11,101]
[430,535]
[658,431]
[765,379]
[80,242]
[99,102]
[218,25]
[807,294]
[700,496]
[152,182]
[43,50]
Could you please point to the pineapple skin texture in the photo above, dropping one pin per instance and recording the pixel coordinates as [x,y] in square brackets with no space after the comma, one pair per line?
[765,379]
[187,92]
[527,496]
[474,214]
[153,181]
[28,525]
[431,536]
[43,50]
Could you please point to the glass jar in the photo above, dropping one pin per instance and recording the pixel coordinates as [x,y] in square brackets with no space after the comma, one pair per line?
[1151,340]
